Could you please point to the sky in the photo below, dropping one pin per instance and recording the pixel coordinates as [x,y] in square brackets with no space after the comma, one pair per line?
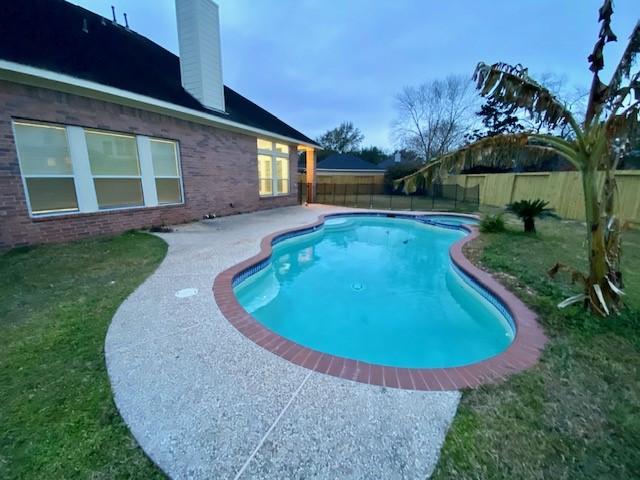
[317,63]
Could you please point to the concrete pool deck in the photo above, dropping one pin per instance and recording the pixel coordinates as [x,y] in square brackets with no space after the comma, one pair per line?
[203,401]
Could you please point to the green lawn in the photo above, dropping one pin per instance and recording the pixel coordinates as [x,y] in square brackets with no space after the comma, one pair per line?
[57,417]
[576,415]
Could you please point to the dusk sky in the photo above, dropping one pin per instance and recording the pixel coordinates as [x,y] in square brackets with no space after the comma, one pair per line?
[317,63]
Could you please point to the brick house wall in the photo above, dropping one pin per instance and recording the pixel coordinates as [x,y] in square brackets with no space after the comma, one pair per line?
[219,168]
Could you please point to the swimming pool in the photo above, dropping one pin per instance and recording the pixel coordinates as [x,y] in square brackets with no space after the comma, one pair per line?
[378,290]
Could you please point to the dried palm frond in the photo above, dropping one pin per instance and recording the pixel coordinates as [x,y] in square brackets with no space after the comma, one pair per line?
[511,85]
[623,71]
[504,151]
[623,129]
[581,297]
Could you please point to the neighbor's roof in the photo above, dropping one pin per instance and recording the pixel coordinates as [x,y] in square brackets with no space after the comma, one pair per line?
[346,161]
[48,34]
[387,163]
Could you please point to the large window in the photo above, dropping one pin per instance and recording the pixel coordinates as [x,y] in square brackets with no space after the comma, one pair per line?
[273,168]
[46,167]
[70,169]
[115,169]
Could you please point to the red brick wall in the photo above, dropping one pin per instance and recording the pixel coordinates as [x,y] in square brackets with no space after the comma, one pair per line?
[219,167]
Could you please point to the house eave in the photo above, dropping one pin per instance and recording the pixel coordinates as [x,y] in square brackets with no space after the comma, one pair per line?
[28,75]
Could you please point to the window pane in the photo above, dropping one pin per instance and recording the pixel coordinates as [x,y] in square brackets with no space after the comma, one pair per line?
[283,185]
[266,186]
[43,150]
[265,175]
[165,161]
[118,192]
[264,144]
[52,194]
[282,148]
[111,154]
[264,166]
[168,190]
[282,168]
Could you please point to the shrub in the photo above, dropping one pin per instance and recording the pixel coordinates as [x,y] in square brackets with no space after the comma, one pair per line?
[529,210]
[492,224]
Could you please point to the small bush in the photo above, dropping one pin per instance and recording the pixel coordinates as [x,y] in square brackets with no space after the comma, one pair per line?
[492,224]
[529,210]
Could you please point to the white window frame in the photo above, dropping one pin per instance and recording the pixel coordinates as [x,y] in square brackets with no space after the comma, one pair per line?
[274,154]
[24,176]
[84,178]
[118,177]
[176,148]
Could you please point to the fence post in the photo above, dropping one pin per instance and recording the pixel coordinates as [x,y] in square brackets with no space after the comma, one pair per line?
[357,192]
[455,197]
[513,187]
[344,199]
[371,195]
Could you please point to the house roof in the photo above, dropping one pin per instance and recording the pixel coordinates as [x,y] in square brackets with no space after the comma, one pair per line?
[64,38]
[346,161]
[387,163]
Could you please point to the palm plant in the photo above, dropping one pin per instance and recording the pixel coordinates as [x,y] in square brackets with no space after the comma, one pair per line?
[594,147]
[529,210]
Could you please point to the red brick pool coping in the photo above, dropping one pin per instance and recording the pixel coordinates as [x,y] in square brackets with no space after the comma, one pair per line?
[523,352]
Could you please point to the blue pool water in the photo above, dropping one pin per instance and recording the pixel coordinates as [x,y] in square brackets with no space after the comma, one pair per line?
[376,289]
[451,219]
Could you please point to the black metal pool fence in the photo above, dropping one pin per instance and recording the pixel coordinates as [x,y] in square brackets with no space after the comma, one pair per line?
[437,197]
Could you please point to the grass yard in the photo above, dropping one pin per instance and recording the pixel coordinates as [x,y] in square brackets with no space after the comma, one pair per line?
[57,417]
[576,414]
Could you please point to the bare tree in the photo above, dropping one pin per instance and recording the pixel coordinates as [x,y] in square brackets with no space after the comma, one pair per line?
[433,118]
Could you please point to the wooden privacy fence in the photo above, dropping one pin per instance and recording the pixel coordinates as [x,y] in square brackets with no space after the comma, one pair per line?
[344,179]
[563,191]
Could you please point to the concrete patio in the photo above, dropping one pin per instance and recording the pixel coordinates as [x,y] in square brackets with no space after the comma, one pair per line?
[204,401]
